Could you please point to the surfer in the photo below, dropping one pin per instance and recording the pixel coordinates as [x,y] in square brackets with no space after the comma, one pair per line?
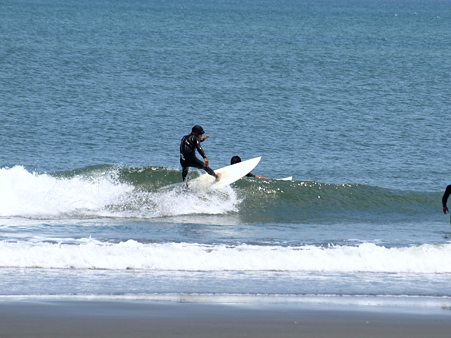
[445,198]
[237,159]
[188,158]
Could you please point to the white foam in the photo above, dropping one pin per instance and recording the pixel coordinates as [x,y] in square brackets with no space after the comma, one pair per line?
[92,254]
[175,202]
[31,195]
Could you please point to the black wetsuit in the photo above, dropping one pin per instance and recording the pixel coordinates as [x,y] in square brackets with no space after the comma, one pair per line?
[446,195]
[188,158]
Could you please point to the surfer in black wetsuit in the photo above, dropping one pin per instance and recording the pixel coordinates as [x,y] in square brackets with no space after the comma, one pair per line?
[188,158]
[237,159]
[445,198]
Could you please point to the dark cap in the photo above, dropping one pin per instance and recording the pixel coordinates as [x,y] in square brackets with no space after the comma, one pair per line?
[235,159]
[197,130]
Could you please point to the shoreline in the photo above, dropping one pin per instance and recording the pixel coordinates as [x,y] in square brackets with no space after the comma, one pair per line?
[371,301]
[45,317]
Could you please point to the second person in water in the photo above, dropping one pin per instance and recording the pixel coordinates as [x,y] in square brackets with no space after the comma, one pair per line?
[237,159]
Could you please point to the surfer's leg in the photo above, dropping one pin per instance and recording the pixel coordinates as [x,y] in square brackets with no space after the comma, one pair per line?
[186,163]
[212,173]
[198,164]
[201,165]
[195,163]
[185,172]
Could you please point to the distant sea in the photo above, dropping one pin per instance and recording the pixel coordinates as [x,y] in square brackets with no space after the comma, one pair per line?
[351,98]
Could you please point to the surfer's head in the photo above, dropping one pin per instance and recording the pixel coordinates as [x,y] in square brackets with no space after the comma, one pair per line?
[235,159]
[197,130]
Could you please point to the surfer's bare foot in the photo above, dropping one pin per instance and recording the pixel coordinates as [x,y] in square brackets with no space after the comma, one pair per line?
[219,176]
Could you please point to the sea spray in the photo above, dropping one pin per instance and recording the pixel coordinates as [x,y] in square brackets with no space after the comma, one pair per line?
[28,194]
[104,192]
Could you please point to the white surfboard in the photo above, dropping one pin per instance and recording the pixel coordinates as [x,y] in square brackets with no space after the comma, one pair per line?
[230,174]
[290,178]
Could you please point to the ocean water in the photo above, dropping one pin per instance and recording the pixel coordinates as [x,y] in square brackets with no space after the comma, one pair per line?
[351,98]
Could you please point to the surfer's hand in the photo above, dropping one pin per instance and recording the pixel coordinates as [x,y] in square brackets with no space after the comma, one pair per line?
[206,162]
[205,137]
[445,209]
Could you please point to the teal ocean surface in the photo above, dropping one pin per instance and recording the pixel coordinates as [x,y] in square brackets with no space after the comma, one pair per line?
[351,98]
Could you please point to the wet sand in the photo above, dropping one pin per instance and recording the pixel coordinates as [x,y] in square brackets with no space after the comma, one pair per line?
[172,319]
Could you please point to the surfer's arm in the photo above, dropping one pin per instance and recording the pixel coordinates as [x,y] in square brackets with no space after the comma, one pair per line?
[252,175]
[205,137]
[200,150]
[445,198]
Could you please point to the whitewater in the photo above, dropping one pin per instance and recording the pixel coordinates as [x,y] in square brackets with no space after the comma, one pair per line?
[87,253]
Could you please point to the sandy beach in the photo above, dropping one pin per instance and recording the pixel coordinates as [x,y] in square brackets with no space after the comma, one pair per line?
[173,319]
